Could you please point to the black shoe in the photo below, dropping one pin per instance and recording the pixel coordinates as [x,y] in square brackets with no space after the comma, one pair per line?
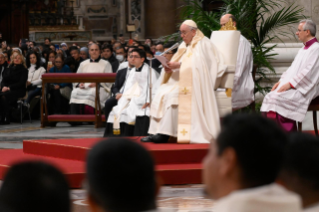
[147,139]
[160,138]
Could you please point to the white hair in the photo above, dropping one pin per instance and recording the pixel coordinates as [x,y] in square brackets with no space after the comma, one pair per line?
[309,25]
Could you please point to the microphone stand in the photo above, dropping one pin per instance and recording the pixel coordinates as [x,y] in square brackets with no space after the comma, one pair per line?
[150,78]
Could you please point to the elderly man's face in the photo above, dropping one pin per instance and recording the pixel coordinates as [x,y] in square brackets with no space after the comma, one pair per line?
[303,35]
[187,34]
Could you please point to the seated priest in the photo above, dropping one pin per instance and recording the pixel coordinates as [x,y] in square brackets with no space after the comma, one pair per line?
[143,119]
[289,98]
[121,120]
[83,94]
[243,90]
[186,101]
[118,87]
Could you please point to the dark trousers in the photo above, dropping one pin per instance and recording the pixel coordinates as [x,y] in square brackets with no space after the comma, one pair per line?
[56,100]
[109,104]
[33,93]
[7,99]
[77,108]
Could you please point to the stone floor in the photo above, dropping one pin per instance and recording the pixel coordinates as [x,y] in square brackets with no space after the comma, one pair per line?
[188,198]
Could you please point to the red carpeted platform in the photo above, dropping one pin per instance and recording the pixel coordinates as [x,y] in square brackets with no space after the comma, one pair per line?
[175,163]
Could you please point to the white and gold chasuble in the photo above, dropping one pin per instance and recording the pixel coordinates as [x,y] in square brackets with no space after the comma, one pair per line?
[198,118]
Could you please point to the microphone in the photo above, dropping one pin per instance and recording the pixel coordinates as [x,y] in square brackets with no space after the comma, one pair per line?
[175,46]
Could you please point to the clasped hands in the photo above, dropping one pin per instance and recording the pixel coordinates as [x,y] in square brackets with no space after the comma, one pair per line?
[92,85]
[172,66]
[283,88]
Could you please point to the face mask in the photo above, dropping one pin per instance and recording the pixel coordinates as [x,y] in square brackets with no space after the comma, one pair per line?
[158,53]
[148,58]
[120,58]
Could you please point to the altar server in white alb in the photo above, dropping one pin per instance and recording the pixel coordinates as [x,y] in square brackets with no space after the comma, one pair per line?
[243,90]
[121,120]
[84,93]
[190,81]
[289,98]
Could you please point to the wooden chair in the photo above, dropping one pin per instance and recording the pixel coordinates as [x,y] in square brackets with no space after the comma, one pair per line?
[314,107]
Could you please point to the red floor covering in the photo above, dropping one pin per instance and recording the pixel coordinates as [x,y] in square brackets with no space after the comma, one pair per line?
[175,163]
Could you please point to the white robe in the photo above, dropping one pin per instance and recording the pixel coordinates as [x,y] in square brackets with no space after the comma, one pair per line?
[313,208]
[269,198]
[122,65]
[303,75]
[87,95]
[135,95]
[205,124]
[165,122]
[243,90]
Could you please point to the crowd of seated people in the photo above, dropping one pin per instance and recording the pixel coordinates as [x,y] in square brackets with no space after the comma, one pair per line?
[65,98]
[252,166]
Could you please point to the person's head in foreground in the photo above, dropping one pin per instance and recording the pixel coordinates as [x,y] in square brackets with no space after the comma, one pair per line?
[121,177]
[306,30]
[34,187]
[243,164]
[300,172]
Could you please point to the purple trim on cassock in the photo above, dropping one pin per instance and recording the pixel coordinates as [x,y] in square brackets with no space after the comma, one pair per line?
[310,42]
[286,124]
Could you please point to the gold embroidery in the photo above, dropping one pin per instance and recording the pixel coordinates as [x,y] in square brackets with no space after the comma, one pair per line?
[228,92]
[185,91]
[189,54]
[184,132]
[228,26]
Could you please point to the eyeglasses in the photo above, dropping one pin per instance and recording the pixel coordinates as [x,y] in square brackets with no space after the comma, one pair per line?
[183,33]
[133,56]
[301,30]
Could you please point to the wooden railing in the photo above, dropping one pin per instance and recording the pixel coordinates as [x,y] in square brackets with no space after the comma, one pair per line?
[74,78]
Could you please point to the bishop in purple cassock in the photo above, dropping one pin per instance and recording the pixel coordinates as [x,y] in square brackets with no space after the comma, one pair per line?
[289,98]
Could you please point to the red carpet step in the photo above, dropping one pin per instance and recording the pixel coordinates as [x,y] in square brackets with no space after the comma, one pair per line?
[175,163]
[73,170]
[76,149]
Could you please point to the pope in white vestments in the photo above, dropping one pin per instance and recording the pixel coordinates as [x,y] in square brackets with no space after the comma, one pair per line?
[289,99]
[185,105]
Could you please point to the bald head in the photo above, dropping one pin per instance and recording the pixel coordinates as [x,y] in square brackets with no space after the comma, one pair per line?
[225,18]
